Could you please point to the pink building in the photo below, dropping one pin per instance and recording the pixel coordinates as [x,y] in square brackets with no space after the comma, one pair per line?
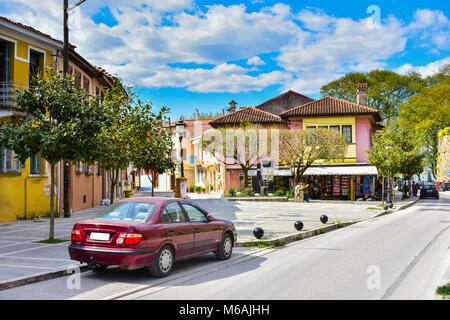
[351,178]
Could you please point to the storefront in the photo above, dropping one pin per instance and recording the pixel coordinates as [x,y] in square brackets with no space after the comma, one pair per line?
[343,182]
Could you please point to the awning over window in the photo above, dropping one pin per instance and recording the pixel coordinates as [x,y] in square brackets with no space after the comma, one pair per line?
[332,171]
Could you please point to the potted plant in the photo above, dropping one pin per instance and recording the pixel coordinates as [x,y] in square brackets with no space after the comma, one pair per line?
[203,190]
[211,187]
[127,193]
[198,189]
[191,189]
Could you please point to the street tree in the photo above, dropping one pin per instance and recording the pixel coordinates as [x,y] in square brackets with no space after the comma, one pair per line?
[386,90]
[245,145]
[299,149]
[153,145]
[404,156]
[61,123]
[425,115]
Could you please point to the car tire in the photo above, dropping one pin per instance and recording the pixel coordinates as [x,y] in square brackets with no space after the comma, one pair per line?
[225,248]
[163,262]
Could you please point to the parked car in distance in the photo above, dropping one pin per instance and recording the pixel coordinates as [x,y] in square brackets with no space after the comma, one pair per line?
[429,190]
[445,186]
[152,233]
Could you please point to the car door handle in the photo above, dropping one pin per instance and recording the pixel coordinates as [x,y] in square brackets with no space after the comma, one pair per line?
[171,230]
[196,228]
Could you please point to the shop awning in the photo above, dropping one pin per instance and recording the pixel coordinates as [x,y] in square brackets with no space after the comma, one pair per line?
[332,171]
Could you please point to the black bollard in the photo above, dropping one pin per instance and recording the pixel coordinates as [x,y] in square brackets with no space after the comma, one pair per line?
[298,225]
[258,232]
[324,218]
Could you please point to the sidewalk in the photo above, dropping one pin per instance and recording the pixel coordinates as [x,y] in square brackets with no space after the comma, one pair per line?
[22,260]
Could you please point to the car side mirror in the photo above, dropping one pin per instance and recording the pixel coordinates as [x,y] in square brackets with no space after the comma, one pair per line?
[209,217]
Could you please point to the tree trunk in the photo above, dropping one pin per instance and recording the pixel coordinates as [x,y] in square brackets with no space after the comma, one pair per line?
[114,177]
[51,235]
[245,177]
[382,192]
[66,188]
[151,181]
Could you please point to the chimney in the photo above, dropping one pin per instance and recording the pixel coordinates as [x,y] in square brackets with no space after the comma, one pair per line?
[232,107]
[361,94]
[223,112]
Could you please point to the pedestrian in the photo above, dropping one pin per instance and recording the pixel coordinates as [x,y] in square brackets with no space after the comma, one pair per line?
[306,197]
[414,189]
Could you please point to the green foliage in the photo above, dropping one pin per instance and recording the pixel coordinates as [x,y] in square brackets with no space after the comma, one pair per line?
[426,114]
[444,290]
[231,192]
[279,193]
[386,90]
[404,157]
[246,192]
[290,193]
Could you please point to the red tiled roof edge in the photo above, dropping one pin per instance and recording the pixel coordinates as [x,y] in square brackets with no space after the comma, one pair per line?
[327,109]
[29,28]
[251,114]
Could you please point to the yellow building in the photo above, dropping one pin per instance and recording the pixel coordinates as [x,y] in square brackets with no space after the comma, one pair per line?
[24,52]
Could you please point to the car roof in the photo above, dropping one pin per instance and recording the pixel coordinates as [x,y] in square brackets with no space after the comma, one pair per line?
[157,200]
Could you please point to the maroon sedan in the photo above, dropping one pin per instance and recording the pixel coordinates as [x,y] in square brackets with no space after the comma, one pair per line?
[152,233]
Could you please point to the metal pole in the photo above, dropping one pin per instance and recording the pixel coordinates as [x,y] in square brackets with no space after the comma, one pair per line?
[66,168]
[388,200]
[181,157]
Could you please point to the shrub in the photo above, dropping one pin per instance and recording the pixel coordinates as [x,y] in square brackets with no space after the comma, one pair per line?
[290,193]
[191,188]
[279,193]
[203,189]
[198,188]
[247,192]
[231,192]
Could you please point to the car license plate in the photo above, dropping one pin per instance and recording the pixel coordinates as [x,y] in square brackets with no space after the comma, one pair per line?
[99,236]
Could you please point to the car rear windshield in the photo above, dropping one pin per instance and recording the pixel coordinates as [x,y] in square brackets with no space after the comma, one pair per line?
[127,211]
[429,187]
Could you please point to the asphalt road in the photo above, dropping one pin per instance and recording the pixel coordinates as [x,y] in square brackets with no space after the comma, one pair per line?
[404,255]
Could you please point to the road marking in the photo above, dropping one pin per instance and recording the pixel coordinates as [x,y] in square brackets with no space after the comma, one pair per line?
[390,291]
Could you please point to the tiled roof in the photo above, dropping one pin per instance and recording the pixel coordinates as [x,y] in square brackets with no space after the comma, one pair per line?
[287,93]
[250,114]
[100,69]
[330,106]
[31,29]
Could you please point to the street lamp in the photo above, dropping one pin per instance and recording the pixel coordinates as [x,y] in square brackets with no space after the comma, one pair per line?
[180,125]
[388,196]
[66,184]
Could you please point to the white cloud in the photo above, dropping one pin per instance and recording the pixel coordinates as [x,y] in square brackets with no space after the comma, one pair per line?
[427,70]
[222,78]
[255,61]
[433,28]
[207,43]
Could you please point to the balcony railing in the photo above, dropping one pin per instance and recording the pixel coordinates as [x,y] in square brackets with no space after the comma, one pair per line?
[8,92]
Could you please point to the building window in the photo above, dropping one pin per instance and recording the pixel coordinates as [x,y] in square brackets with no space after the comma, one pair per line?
[35,165]
[97,95]
[79,167]
[88,169]
[8,161]
[99,170]
[335,128]
[310,128]
[86,84]
[347,133]
[78,78]
[5,61]
[35,66]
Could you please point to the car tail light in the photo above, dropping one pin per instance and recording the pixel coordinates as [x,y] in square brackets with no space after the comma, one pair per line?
[77,235]
[129,238]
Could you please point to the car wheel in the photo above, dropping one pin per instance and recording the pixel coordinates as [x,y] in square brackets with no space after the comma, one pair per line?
[163,262]
[225,248]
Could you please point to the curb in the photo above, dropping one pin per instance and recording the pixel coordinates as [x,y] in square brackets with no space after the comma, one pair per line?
[60,272]
[262,199]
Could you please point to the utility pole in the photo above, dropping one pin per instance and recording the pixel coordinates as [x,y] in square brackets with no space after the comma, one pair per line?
[66,184]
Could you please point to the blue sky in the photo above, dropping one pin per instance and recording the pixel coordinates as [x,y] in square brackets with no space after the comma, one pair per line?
[188,54]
